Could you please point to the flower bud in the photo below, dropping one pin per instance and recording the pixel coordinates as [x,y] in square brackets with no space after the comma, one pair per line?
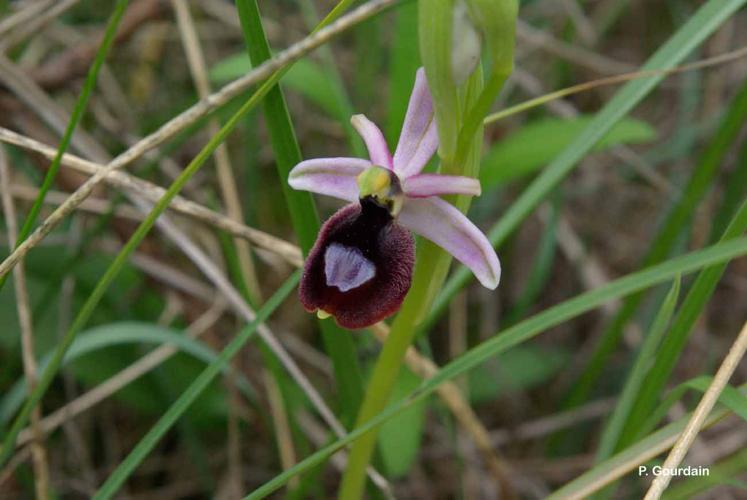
[434,31]
[452,34]
[360,267]
[496,22]
[465,44]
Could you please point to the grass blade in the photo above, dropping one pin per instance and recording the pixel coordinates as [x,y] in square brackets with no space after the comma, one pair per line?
[119,262]
[523,332]
[77,114]
[667,236]
[138,454]
[615,467]
[704,22]
[338,343]
[114,334]
[730,397]
[672,346]
[636,378]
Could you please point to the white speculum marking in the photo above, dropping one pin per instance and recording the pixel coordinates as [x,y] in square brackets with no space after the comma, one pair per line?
[346,267]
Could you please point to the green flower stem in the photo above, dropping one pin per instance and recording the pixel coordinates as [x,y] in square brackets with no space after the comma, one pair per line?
[431,267]
[520,333]
[387,368]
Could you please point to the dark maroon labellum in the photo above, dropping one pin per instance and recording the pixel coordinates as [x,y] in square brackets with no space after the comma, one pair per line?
[360,267]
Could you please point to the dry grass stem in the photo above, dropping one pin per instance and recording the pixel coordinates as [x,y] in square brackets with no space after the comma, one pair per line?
[451,395]
[96,206]
[194,113]
[16,28]
[122,180]
[612,474]
[124,377]
[226,180]
[577,55]
[38,451]
[319,436]
[698,418]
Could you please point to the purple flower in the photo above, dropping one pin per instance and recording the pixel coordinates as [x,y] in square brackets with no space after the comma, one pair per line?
[360,267]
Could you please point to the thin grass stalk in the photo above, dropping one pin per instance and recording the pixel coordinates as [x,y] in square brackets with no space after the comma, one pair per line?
[719,473]
[137,455]
[694,425]
[666,237]
[637,376]
[521,333]
[226,180]
[75,117]
[668,354]
[272,71]
[116,266]
[613,469]
[25,321]
[338,343]
[703,23]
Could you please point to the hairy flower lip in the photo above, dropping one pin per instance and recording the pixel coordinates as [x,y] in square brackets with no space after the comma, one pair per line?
[385,243]
[415,203]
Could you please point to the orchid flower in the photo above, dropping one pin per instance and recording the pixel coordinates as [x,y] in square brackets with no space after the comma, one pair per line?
[360,267]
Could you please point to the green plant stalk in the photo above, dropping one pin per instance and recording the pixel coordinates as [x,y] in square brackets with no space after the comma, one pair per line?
[704,22]
[338,343]
[431,266]
[672,346]
[77,114]
[138,454]
[667,236]
[637,376]
[520,333]
[119,262]
[387,368]
[707,19]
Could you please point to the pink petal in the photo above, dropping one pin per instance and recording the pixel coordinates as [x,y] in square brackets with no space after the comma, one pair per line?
[330,176]
[419,139]
[446,226]
[378,151]
[424,185]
